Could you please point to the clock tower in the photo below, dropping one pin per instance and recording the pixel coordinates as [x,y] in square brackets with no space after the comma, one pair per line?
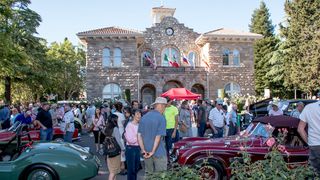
[158,13]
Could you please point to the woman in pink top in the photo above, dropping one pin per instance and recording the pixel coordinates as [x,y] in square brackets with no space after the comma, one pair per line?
[98,123]
[132,146]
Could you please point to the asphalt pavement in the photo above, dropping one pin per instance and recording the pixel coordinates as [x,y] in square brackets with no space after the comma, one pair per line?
[87,141]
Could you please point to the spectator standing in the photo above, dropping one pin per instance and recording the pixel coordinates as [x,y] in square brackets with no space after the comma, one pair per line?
[201,118]
[297,111]
[90,115]
[14,115]
[171,114]
[24,118]
[45,120]
[121,120]
[152,129]
[53,112]
[4,115]
[275,110]
[132,145]
[112,130]
[135,104]
[67,124]
[311,116]
[98,123]
[185,118]
[216,119]
[232,120]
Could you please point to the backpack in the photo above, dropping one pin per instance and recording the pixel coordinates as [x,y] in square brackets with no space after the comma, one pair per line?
[111,147]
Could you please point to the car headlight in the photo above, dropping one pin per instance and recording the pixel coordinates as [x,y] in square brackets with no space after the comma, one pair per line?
[84,157]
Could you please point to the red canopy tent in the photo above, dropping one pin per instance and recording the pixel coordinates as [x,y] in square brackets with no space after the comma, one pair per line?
[180,94]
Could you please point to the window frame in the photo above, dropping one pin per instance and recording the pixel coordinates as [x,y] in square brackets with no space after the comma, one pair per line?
[232,89]
[104,56]
[170,55]
[112,92]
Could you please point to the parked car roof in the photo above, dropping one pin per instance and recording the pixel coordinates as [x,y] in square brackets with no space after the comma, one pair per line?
[279,121]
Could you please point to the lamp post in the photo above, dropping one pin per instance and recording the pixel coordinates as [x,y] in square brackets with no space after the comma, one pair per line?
[295,92]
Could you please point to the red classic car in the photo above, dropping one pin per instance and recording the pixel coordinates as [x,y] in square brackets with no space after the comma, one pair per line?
[212,157]
[7,134]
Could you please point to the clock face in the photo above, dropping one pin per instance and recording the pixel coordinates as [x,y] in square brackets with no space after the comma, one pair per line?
[169,31]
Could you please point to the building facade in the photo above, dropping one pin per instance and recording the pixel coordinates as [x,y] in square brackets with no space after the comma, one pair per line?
[124,63]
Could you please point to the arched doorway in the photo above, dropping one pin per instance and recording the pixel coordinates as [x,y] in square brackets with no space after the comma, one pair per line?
[199,89]
[171,84]
[148,94]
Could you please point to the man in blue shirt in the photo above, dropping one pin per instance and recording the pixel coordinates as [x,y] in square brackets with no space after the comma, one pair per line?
[24,118]
[4,115]
[151,133]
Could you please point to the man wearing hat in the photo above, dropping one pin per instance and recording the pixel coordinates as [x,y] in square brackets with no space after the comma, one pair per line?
[151,133]
[216,119]
[275,110]
[24,118]
[297,111]
[67,124]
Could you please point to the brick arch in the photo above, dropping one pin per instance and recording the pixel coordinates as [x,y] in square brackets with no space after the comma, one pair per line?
[148,93]
[171,84]
[199,89]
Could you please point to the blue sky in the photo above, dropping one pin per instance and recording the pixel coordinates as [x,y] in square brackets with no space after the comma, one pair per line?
[65,18]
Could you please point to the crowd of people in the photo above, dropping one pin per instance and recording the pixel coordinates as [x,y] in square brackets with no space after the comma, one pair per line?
[141,133]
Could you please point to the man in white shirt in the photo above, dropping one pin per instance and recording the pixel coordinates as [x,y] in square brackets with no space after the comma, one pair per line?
[216,119]
[311,116]
[67,124]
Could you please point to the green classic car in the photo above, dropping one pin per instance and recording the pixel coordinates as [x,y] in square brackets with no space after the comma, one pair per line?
[52,161]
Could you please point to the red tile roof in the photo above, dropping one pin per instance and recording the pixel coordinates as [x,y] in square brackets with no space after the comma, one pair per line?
[110,31]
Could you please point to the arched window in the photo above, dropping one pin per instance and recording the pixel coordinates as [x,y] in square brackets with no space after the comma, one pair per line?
[193,59]
[111,91]
[106,57]
[117,57]
[170,54]
[146,58]
[225,57]
[236,58]
[232,88]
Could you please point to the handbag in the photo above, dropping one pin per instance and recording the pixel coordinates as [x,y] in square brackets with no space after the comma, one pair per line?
[183,127]
[111,147]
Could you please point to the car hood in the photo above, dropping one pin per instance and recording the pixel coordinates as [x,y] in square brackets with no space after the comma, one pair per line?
[59,148]
[231,141]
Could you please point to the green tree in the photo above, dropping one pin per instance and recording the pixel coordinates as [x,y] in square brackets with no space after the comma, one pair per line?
[65,62]
[262,24]
[301,32]
[18,45]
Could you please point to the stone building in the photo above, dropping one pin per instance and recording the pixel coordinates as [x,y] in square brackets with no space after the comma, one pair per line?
[124,63]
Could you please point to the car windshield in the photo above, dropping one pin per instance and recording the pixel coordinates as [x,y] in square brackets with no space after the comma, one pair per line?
[263,130]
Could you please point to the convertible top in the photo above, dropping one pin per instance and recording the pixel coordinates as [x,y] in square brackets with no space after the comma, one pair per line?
[279,121]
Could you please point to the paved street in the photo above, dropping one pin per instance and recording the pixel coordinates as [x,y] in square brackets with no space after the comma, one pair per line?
[87,141]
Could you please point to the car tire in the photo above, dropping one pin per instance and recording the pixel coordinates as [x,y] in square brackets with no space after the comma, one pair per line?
[39,171]
[58,138]
[209,169]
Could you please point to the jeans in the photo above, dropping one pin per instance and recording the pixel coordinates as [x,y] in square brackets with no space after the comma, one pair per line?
[68,137]
[219,134]
[133,161]
[202,129]
[170,140]
[46,135]
[314,158]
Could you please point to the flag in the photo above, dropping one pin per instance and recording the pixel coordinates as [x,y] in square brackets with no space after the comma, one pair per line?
[154,62]
[147,57]
[174,62]
[206,63]
[166,57]
[185,59]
